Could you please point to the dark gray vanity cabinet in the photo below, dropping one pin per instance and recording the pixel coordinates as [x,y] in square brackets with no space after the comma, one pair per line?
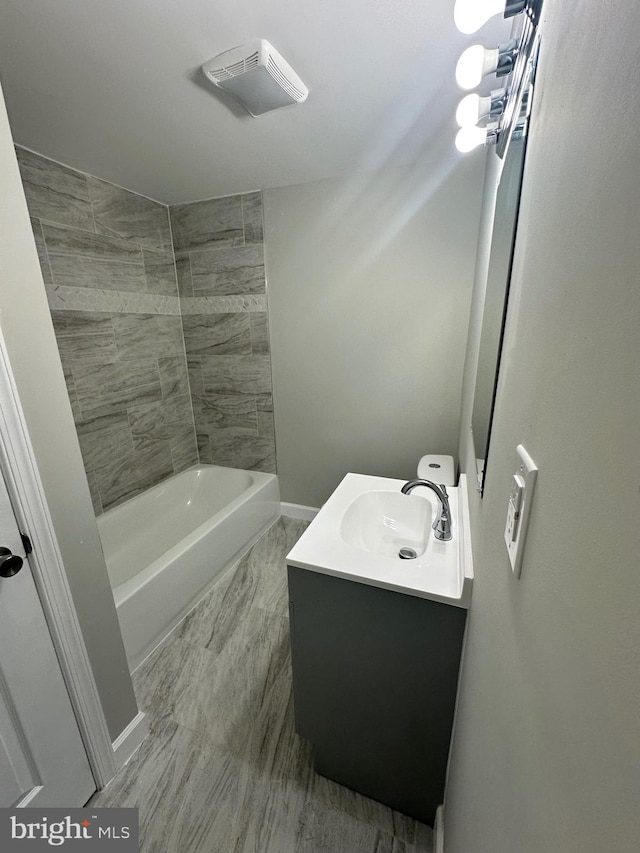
[375,675]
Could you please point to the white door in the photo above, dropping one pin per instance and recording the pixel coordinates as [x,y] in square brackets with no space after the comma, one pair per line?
[42,757]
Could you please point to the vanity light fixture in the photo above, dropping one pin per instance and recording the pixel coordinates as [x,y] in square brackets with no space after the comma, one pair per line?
[514,60]
[477,61]
[470,15]
[472,108]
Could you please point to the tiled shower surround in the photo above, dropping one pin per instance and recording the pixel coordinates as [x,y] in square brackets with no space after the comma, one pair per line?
[220,260]
[108,265]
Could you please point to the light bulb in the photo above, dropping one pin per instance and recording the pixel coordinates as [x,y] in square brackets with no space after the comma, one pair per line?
[473,108]
[474,63]
[470,15]
[469,138]
[469,111]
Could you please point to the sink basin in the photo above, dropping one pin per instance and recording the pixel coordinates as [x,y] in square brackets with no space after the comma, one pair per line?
[359,533]
[384,522]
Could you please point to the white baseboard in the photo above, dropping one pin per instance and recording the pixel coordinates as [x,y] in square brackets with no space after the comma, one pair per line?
[438,829]
[304,513]
[130,739]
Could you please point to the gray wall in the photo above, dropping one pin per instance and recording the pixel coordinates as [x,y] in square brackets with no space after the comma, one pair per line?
[369,285]
[31,346]
[107,263]
[546,748]
[220,259]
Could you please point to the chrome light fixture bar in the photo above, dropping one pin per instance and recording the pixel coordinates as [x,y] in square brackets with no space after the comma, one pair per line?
[470,15]
[512,60]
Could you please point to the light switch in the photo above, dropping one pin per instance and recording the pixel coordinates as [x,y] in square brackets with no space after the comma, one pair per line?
[519,507]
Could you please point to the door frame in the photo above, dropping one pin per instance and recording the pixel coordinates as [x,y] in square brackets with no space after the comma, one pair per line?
[20,470]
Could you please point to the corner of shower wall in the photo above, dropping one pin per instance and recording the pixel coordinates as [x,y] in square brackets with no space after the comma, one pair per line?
[108,266]
[219,251]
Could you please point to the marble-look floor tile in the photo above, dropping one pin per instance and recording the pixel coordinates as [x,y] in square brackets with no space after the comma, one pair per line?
[223,770]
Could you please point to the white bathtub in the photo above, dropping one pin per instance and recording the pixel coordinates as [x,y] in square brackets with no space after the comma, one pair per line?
[167,547]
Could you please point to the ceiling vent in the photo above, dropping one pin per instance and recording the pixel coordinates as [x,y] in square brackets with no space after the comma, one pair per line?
[257,76]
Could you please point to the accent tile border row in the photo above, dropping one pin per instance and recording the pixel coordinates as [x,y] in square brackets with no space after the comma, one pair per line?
[63,298]
[222,304]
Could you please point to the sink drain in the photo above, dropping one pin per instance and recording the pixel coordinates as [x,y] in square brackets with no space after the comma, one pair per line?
[407,554]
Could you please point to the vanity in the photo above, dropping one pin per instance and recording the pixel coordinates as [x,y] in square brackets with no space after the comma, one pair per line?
[376,639]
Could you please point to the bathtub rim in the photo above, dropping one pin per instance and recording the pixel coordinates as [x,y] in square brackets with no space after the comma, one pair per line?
[261,480]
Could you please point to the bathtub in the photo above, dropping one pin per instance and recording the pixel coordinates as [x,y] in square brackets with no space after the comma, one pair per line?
[166,548]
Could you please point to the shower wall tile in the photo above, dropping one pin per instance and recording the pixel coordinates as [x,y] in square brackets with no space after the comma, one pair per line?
[239,450]
[174,380]
[266,426]
[101,446]
[221,280]
[183,273]
[160,272]
[184,452]
[236,374]
[130,475]
[259,333]
[209,334]
[54,192]
[87,349]
[105,388]
[147,336]
[42,252]
[76,271]
[120,213]
[252,217]
[203,224]
[108,265]
[120,270]
[219,411]
[71,241]
[224,272]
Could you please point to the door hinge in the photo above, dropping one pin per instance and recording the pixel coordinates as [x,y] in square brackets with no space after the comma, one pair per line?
[26,543]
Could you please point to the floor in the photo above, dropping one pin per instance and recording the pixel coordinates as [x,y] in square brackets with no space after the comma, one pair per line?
[223,770]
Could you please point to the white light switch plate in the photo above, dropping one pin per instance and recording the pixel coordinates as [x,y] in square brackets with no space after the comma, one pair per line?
[519,507]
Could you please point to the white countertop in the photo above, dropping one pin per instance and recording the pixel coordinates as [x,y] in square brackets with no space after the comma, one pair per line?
[443,573]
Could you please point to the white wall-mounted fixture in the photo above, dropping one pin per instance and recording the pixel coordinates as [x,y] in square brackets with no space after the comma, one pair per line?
[470,15]
[472,108]
[477,61]
[514,60]
[257,76]
[519,507]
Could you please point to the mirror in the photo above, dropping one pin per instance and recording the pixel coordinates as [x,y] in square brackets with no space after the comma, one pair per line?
[496,297]
[510,140]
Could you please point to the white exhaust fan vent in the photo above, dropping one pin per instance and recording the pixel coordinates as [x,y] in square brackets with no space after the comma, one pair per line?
[257,76]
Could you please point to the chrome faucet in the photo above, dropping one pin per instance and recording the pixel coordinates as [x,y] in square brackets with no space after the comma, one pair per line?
[442,523]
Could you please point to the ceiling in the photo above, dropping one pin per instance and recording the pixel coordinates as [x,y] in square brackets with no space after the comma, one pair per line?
[115,89]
